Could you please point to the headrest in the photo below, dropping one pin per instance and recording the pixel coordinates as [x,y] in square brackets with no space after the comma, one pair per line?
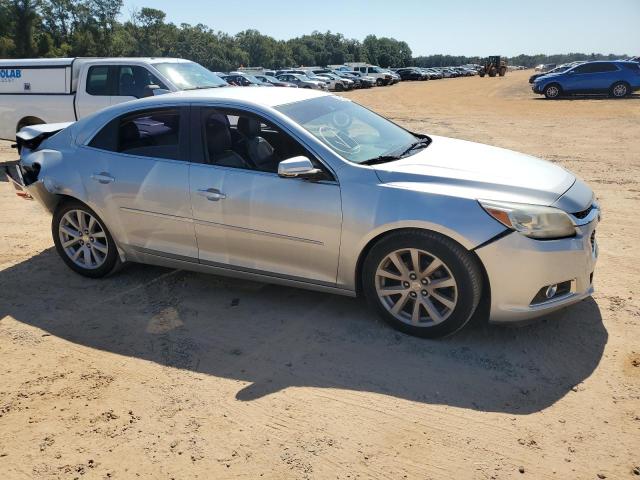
[250,127]
[218,136]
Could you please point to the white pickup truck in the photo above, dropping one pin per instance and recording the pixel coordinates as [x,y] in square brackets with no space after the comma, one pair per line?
[36,91]
[382,77]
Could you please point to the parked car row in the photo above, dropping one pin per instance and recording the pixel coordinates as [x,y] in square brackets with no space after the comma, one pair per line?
[617,78]
[435,73]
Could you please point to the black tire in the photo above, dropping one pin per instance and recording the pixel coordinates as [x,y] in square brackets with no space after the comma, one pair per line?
[552,91]
[463,266]
[379,82]
[339,87]
[111,261]
[620,90]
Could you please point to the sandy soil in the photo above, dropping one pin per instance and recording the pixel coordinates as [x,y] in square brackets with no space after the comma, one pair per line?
[155,373]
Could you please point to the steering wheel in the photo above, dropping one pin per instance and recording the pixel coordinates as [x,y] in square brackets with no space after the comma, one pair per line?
[339,140]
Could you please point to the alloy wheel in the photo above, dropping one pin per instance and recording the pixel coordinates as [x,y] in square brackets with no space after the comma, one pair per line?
[553,91]
[416,287]
[620,90]
[83,239]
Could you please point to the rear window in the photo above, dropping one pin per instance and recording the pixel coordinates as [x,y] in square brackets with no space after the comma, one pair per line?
[147,134]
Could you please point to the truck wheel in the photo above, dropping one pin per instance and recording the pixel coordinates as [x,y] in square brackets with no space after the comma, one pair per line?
[503,70]
[619,90]
[552,91]
[28,121]
[422,283]
[379,82]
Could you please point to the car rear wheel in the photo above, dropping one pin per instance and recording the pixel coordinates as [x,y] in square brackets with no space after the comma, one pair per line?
[552,91]
[83,241]
[422,283]
[619,90]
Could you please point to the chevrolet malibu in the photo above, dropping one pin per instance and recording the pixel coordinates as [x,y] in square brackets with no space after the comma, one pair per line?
[311,190]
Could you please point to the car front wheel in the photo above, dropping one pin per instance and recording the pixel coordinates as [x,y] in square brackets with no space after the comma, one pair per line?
[552,91]
[83,241]
[422,283]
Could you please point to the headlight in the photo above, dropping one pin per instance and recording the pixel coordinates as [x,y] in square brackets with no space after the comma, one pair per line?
[534,221]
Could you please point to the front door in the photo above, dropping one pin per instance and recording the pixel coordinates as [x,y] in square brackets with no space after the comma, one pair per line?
[131,82]
[249,218]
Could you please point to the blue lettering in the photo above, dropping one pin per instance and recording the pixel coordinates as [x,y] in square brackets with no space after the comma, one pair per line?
[6,73]
[18,73]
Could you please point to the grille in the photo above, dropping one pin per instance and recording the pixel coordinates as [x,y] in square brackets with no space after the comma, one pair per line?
[583,213]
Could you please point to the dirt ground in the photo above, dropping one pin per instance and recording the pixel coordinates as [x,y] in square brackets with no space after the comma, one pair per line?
[163,374]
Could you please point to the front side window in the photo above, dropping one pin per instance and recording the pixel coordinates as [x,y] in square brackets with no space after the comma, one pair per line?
[149,133]
[241,139]
[354,132]
[98,80]
[189,75]
[133,80]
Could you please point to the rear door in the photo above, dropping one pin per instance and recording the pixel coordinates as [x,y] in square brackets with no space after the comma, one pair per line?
[95,92]
[249,218]
[140,181]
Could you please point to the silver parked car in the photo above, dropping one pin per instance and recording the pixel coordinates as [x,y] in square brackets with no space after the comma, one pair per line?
[304,188]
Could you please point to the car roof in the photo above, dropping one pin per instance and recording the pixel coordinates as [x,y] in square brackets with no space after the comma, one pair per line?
[271,98]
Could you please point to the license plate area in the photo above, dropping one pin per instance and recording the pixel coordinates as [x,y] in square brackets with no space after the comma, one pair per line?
[13,174]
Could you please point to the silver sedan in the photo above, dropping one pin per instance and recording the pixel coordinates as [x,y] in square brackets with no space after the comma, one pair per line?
[303,188]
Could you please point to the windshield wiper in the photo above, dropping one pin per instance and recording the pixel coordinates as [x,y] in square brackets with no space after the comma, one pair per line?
[422,143]
[204,87]
[381,159]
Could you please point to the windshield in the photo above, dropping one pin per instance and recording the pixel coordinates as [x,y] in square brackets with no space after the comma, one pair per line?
[349,129]
[189,75]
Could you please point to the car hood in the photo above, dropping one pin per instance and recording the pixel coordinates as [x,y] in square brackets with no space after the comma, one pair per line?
[549,75]
[473,170]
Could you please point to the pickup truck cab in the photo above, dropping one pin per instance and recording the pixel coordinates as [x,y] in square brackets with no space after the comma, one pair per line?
[35,91]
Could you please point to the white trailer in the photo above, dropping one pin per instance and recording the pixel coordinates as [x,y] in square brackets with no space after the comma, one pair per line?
[35,91]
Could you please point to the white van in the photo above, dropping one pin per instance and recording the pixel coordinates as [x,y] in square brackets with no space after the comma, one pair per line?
[34,91]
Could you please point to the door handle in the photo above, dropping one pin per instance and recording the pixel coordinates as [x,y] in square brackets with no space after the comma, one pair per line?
[212,194]
[102,177]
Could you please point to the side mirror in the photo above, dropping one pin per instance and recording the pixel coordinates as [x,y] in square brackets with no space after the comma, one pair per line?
[299,167]
[153,90]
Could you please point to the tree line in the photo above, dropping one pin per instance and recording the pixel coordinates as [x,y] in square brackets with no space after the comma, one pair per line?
[87,28]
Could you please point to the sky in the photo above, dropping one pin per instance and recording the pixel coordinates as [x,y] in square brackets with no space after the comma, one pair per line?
[457,27]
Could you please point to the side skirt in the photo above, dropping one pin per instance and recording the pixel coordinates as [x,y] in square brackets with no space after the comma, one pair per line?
[194,266]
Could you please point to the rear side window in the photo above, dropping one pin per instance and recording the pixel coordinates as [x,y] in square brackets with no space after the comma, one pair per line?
[632,66]
[147,134]
[98,80]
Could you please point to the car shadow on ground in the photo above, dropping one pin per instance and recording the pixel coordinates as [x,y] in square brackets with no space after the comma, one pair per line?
[276,337]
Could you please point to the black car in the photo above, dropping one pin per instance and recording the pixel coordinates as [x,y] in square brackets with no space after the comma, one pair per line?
[243,80]
[411,74]
[559,69]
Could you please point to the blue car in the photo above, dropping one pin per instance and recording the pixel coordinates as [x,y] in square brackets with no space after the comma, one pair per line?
[617,78]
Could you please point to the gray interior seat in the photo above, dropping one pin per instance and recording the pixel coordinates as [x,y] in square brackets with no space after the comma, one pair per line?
[219,144]
[259,150]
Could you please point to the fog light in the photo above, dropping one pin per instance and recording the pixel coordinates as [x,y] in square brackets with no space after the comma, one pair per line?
[551,291]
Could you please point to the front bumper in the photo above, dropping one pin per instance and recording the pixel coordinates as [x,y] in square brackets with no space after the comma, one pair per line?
[536,88]
[519,268]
